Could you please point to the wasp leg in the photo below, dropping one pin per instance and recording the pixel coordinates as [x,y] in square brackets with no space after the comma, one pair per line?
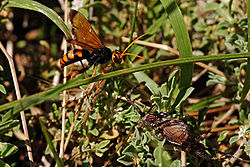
[71,69]
[94,71]
[88,89]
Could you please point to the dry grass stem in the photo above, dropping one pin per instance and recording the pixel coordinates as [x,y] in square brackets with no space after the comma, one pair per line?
[18,94]
[225,116]
[61,153]
[183,159]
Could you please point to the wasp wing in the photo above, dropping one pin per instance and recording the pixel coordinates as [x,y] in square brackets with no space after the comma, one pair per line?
[84,34]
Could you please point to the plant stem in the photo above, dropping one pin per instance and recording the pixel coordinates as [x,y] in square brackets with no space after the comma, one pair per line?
[64,92]
[18,94]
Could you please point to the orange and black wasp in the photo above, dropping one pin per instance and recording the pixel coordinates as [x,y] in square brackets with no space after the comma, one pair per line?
[87,39]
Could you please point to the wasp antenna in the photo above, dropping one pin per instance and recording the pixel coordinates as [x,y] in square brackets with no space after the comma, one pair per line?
[133,43]
[134,55]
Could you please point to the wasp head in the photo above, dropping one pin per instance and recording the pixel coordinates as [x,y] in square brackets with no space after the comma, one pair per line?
[116,57]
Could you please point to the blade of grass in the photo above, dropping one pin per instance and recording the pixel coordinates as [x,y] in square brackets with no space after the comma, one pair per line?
[203,103]
[46,135]
[247,78]
[182,38]
[35,6]
[133,22]
[131,58]
[52,94]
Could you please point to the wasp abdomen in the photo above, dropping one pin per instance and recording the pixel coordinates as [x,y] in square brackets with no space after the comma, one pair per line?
[73,56]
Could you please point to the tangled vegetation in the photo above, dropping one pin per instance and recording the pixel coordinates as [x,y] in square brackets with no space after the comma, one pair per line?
[195,65]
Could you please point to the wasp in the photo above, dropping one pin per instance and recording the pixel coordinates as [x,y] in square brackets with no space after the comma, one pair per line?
[85,37]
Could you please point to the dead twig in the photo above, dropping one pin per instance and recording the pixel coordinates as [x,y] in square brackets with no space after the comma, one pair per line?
[18,94]
[61,153]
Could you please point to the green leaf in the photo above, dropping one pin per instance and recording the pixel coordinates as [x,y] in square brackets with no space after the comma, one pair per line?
[71,117]
[8,125]
[94,132]
[176,163]
[164,89]
[201,115]
[247,148]
[234,122]
[3,164]
[110,134]
[126,160]
[182,38]
[162,158]
[181,98]
[103,144]
[130,151]
[212,6]
[1,68]
[48,150]
[151,85]
[203,103]
[52,148]
[233,139]
[222,28]
[200,26]
[2,89]
[219,10]
[222,136]
[7,149]
[158,155]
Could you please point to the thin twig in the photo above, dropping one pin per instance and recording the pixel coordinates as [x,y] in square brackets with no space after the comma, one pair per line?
[80,101]
[225,128]
[79,108]
[183,159]
[18,94]
[64,92]
[153,45]
[92,102]
[225,116]
[174,51]
[236,156]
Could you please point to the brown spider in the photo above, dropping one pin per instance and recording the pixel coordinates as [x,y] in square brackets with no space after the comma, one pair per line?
[175,131]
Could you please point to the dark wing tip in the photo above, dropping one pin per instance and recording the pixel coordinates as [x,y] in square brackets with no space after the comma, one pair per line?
[72,13]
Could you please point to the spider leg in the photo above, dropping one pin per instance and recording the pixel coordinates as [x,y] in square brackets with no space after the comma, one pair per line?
[159,134]
[202,136]
[132,102]
[151,108]
[228,155]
